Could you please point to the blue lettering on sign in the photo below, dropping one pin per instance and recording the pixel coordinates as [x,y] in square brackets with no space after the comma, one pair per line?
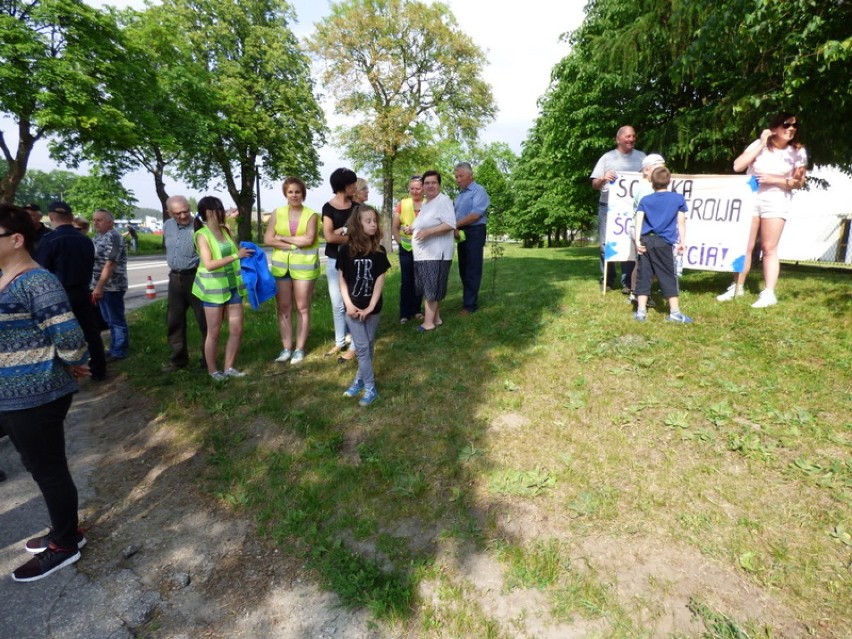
[703,255]
[623,225]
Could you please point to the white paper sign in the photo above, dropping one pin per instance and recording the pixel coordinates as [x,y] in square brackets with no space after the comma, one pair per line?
[718,219]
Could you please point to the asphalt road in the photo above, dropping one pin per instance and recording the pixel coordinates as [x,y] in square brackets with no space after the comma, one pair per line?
[138,270]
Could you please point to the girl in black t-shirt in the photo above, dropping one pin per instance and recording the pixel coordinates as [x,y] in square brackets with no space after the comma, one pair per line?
[363,263]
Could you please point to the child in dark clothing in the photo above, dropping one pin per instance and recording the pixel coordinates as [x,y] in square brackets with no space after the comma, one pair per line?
[363,264]
[661,224]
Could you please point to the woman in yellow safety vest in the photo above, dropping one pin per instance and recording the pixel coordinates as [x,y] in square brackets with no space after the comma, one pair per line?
[410,304]
[219,285]
[292,232]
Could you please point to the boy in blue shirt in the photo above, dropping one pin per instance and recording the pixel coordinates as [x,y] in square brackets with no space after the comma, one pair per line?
[661,218]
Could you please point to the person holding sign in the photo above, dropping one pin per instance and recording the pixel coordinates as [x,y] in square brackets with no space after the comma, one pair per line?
[624,157]
[777,162]
[660,229]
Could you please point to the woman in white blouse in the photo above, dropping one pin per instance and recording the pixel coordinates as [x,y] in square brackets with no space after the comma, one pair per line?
[433,248]
[778,162]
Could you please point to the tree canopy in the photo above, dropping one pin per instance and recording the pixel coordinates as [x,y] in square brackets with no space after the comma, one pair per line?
[248,86]
[406,73]
[698,80]
[100,190]
[57,58]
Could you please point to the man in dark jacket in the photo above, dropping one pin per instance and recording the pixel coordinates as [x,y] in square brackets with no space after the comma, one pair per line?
[70,256]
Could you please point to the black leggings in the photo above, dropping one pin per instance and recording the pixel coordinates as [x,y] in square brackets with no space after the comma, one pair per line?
[39,436]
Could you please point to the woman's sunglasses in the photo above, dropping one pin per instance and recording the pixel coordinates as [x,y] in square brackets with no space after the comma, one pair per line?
[787,125]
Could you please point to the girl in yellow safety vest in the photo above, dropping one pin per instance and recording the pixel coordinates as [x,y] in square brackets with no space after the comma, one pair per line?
[292,233]
[219,285]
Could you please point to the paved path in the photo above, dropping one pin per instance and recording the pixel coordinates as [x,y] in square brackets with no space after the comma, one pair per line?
[66,604]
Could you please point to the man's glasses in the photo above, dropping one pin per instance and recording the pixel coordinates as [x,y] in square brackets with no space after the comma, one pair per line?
[787,125]
[7,233]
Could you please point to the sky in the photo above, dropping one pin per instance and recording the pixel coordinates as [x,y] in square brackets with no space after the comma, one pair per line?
[522,46]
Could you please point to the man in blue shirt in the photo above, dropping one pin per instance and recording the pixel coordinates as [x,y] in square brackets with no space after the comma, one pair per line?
[470,205]
[183,262]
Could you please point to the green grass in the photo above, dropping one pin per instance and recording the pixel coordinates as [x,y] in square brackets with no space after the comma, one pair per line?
[547,420]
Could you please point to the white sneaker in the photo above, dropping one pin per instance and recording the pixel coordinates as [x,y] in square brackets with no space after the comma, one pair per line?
[283,356]
[766,298]
[732,292]
[233,372]
[298,356]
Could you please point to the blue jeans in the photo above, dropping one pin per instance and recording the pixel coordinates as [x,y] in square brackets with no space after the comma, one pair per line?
[338,310]
[364,340]
[471,256]
[410,302]
[112,309]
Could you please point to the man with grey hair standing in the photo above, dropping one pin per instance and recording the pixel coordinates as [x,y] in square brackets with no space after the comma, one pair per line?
[182,259]
[624,157]
[109,281]
[470,205]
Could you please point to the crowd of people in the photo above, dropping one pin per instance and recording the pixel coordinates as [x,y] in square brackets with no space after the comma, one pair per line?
[59,289]
[777,162]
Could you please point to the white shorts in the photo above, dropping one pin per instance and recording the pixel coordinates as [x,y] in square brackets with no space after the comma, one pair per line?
[771,205]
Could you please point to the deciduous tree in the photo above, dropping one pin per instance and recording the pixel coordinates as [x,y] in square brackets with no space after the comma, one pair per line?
[57,58]
[407,75]
[100,190]
[43,187]
[250,93]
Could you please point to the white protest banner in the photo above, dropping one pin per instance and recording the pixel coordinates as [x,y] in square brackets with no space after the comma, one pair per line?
[717,222]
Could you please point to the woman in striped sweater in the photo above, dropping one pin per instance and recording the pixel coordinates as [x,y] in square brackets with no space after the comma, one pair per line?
[42,353]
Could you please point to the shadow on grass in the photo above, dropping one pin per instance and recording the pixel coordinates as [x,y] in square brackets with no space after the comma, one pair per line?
[368,498]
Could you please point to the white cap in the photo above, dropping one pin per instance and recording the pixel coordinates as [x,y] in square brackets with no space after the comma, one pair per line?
[653,160]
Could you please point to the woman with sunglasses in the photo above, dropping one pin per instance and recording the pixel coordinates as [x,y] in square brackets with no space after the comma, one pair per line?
[777,161]
[43,355]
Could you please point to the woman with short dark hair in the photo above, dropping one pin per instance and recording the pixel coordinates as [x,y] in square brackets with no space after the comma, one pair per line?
[335,213]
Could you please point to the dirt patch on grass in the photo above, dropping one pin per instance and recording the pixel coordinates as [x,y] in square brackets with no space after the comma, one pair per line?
[177,564]
[656,581]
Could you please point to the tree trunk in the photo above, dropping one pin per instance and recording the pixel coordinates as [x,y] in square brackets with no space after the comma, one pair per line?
[159,184]
[386,217]
[17,165]
[243,197]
